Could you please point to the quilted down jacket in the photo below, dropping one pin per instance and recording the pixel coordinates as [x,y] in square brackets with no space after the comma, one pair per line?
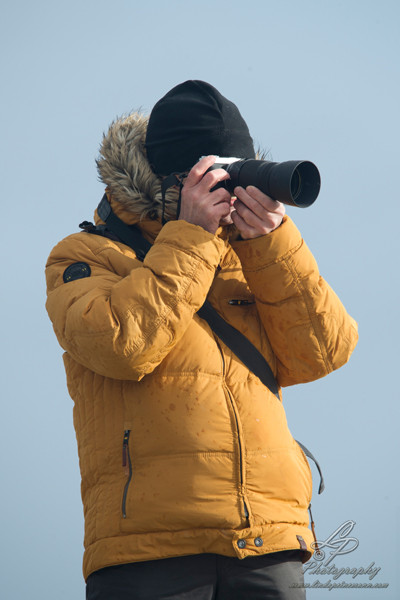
[182,450]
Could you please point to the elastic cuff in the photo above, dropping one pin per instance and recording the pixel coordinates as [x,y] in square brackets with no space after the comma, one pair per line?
[193,239]
[271,248]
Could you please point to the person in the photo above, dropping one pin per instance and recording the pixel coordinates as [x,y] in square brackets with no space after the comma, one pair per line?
[192,484]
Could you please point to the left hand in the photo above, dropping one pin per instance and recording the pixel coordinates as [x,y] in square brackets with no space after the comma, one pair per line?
[255,214]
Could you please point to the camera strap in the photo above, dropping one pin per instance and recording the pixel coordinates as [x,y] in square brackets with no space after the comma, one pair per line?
[175,179]
[232,337]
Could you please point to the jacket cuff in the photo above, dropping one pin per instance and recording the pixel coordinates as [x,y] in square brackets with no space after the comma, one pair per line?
[269,249]
[192,239]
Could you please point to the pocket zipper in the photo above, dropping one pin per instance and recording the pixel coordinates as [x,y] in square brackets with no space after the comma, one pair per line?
[127,464]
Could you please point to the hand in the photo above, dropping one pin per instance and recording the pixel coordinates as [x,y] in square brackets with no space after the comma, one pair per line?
[199,206]
[256,214]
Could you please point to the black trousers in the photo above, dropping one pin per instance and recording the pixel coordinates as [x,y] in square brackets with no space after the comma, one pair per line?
[277,576]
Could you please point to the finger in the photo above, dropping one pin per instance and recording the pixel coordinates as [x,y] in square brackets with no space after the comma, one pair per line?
[266,224]
[245,200]
[212,178]
[218,196]
[251,194]
[203,180]
[249,215]
[244,228]
[216,213]
[196,173]
[200,195]
[222,209]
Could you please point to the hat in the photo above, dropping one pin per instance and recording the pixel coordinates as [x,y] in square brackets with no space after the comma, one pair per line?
[193,120]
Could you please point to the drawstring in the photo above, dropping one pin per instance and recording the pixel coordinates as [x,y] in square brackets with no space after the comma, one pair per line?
[178,211]
[171,180]
[318,551]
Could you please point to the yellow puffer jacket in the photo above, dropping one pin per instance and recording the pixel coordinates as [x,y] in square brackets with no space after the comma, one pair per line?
[183,450]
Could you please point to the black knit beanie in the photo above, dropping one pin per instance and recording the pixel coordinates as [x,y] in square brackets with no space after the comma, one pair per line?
[194,120]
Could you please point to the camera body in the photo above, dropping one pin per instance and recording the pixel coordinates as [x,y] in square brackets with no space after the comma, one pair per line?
[294,182]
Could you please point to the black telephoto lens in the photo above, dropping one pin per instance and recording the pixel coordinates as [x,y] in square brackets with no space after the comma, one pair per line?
[294,182]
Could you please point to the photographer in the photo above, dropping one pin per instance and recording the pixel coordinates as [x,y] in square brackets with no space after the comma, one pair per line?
[192,484]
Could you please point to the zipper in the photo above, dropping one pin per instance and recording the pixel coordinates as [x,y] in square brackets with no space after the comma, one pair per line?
[127,464]
[246,511]
[240,448]
[240,302]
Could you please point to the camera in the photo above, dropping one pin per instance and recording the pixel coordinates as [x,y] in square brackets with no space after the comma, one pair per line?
[294,182]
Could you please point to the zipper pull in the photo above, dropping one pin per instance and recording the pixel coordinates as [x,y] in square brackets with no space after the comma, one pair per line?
[234,302]
[125,451]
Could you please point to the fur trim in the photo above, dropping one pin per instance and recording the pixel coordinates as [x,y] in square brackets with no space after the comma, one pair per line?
[123,167]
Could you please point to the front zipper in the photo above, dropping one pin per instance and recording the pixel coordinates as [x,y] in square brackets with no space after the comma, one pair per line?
[127,464]
[241,467]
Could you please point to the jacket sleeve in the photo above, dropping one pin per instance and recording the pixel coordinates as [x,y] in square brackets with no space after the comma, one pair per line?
[310,332]
[122,326]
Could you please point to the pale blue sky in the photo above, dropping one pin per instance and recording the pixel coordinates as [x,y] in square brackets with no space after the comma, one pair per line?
[315,80]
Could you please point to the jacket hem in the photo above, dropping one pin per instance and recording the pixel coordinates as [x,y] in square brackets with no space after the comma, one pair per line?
[139,547]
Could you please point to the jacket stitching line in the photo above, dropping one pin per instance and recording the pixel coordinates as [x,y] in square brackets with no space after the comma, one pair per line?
[185,252]
[184,455]
[163,317]
[276,261]
[160,321]
[185,374]
[313,316]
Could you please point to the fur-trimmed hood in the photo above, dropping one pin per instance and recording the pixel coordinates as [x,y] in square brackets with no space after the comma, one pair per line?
[123,167]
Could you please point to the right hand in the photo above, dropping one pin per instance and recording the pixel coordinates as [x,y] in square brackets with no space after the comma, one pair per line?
[199,206]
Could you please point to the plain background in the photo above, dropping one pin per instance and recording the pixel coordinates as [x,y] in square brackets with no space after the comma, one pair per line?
[315,80]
